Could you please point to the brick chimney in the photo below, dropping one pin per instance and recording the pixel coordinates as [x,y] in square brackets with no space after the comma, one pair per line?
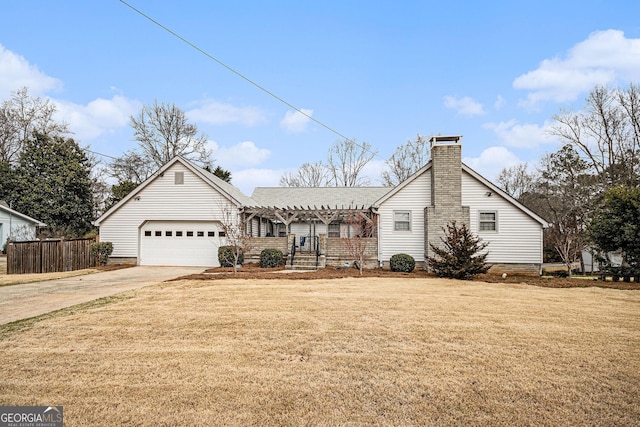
[446,189]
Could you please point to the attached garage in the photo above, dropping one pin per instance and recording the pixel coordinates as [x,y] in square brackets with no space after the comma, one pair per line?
[173,218]
[180,243]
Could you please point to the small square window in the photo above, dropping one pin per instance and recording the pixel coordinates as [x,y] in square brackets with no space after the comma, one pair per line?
[334,230]
[488,221]
[200,233]
[211,233]
[402,221]
[168,233]
[178,233]
[189,233]
[222,234]
[147,233]
[158,233]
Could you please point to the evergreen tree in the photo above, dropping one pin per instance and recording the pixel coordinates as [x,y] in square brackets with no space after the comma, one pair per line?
[119,192]
[460,257]
[616,226]
[53,184]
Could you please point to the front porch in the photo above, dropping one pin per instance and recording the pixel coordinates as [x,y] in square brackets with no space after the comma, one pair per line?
[313,252]
[312,237]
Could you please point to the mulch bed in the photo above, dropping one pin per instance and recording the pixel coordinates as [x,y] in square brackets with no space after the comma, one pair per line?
[253,271]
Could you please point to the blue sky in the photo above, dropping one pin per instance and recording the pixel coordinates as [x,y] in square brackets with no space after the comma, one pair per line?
[376,71]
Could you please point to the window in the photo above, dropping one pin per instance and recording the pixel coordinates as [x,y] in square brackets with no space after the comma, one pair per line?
[178,233]
[488,221]
[402,221]
[334,230]
[158,233]
[211,234]
[147,233]
[179,178]
[189,233]
[222,234]
[168,233]
[200,233]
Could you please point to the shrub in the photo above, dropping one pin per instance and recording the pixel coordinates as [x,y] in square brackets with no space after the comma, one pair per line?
[460,258]
[101,251]
[270,258]
[403,263]
[227,255]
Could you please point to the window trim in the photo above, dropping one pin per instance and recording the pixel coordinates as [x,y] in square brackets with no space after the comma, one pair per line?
[395,221]
[481,221]
[332,233]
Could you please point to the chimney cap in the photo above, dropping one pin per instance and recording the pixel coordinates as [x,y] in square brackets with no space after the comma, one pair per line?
[445,140]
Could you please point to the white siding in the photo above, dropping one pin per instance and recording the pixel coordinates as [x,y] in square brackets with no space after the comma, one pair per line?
[306,228]
[414,197]
[15,227]
[163,200]
[518,238]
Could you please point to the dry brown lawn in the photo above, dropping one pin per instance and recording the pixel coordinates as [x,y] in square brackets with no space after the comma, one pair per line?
[372,351]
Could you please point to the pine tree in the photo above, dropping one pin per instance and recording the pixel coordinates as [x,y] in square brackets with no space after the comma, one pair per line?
[460,257]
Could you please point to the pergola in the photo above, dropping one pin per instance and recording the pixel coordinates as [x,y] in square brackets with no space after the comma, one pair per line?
[309,214]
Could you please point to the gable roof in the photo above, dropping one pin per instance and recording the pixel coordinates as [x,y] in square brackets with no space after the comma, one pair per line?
[232,193]
[22,216]
[494,188]
[310,197]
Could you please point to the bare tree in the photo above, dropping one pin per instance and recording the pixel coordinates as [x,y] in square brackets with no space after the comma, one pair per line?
[347,158]
[163,132]
[132,167]
[308,175]
[406,160]
[607,132]
[100,188]
[567,186]
[20,117]
[359,245]
[517,181]
[236,236]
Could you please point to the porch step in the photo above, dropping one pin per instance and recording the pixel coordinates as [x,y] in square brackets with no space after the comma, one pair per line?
[305,262]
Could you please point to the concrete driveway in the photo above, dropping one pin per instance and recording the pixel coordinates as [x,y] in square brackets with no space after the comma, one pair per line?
[19,302]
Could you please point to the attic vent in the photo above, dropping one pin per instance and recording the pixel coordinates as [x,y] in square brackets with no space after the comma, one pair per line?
[179,177]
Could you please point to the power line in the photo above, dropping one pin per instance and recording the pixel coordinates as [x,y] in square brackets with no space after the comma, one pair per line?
[242,76]
[99,154]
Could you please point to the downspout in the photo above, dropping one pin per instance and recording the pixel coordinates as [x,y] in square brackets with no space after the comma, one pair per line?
[374,212]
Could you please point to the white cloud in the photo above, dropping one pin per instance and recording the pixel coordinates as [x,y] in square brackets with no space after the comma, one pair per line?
[248,179]
[500,102]
[16,72]
[373,171]
[98,117]
[491,161]
[603,58]
[217,113]
[295,121]
[466,106]
[526,135]
[244,154]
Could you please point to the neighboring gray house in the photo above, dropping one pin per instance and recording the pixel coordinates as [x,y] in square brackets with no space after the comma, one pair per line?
[175,217]
[16,226]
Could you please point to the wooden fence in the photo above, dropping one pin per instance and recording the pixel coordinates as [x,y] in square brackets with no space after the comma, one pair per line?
[49,256]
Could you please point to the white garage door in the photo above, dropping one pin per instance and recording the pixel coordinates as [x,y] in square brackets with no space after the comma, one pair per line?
[180,243]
